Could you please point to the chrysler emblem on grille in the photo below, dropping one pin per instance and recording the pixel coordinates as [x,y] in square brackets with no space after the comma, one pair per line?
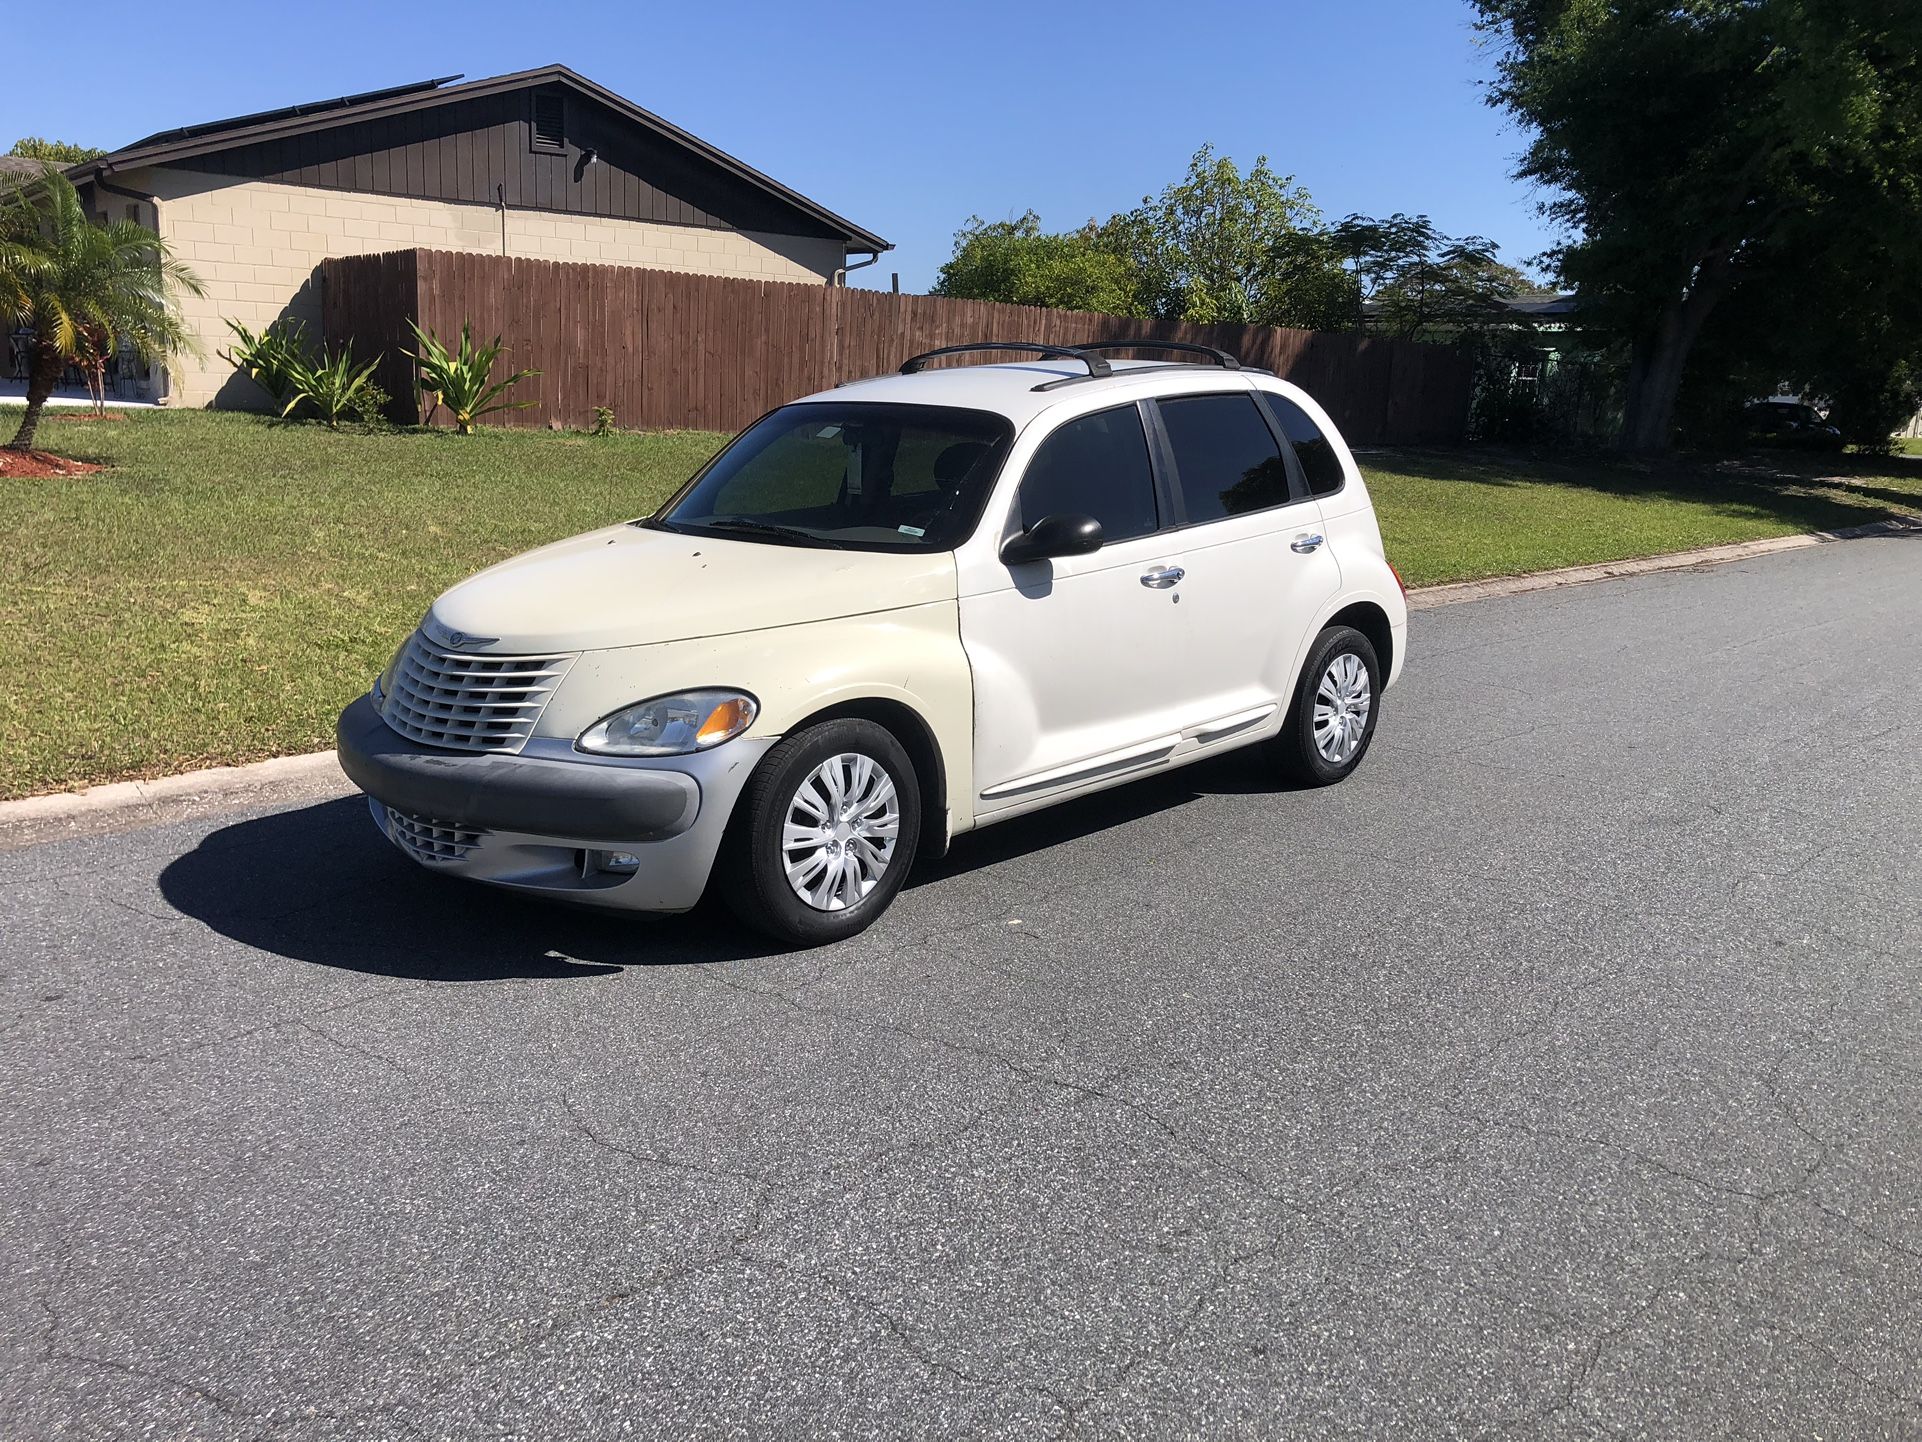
[460,639]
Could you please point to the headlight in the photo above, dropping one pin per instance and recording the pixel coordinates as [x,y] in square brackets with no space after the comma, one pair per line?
[672,725]
[384,687]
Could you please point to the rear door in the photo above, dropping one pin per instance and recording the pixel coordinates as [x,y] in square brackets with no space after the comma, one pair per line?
[1256,567]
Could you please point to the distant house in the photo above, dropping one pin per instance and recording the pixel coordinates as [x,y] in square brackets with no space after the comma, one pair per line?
[17,170]
[542,163]
[1541,322]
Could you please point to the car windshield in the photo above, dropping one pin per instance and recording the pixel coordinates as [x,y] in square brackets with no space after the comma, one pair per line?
[858,476]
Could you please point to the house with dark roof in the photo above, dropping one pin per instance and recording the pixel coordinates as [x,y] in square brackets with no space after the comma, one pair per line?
[542,163]
[17,170]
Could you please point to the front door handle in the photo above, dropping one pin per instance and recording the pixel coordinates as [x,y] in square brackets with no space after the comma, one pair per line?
[1304,544]
[1162,577]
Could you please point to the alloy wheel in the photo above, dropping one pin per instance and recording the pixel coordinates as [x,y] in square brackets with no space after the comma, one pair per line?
[839,831]
[1342,700]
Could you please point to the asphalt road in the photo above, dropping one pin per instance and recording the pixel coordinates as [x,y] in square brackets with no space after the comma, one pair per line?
[1556,1076]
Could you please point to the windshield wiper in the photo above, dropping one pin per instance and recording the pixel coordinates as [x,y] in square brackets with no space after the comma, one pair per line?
[768,528]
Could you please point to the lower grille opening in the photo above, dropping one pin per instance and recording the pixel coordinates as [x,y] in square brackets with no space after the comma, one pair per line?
[429,841]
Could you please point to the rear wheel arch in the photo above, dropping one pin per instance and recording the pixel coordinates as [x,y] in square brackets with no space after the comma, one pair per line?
[1372,621]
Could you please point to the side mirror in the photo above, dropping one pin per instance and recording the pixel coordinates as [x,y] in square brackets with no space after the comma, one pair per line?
[1065,535]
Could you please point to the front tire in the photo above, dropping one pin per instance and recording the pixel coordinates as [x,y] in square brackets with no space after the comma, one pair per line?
[824,834]
[1337,702]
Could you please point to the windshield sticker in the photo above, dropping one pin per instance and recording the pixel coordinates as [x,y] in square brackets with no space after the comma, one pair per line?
[911,530]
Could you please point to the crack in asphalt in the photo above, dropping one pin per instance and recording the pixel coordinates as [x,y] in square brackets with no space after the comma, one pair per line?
[659,1159]
[1024,1072]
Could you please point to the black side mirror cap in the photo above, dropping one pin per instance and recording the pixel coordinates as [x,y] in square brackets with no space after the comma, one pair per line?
[1062,535]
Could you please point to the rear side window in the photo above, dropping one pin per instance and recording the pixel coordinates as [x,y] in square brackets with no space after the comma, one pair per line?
[1225,455]
[1319,463]
[1095,466]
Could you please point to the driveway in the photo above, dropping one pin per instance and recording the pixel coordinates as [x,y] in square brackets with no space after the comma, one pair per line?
[1556,1076]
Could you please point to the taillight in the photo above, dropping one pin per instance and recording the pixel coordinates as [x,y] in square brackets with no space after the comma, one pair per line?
[1398,580]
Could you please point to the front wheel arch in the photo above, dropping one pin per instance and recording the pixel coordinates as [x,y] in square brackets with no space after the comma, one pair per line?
[917,739]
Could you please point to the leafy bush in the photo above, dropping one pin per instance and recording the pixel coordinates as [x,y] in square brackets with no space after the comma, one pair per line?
[461,379]
[333,385]
[370,406]
[273,359]
[1503,410]
[603,420]
[1869,407]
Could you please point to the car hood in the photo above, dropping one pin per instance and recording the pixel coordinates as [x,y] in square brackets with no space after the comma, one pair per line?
[632,586]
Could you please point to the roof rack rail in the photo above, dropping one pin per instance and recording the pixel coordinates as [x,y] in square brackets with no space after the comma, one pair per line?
[1227,360]
[1095,364]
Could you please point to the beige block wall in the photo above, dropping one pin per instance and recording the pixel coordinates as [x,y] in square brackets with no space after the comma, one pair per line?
[256,247]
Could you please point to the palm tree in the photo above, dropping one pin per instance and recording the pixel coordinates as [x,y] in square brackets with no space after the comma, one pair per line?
[76,283]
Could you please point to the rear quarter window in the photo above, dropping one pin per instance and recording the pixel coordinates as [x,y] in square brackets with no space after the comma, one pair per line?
[1320,466]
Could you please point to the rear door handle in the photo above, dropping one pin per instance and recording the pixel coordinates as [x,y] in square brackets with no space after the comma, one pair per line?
[1304,544]
[1162,577]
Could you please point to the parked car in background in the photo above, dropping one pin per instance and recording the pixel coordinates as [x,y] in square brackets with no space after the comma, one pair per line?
[886,615]
[1790,423]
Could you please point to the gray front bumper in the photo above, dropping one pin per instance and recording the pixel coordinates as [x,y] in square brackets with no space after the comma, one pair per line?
[532,823]
[585,799]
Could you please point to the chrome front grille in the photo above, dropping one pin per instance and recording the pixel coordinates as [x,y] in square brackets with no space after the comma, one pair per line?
[469,703]
[432,842]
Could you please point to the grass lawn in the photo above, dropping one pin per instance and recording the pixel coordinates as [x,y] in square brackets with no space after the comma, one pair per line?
[220,592]
[1464,514]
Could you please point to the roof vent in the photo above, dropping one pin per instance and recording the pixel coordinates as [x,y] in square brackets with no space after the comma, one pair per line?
[550,120]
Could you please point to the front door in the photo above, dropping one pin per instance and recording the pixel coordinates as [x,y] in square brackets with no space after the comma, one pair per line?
[1072,656]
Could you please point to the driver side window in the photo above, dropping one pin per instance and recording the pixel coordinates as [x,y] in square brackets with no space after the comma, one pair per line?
[1094,466]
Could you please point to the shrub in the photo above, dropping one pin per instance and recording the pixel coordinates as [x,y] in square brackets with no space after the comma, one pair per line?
[1869,407]
[370,406]
[461,379]
[333,385]
[603,420]
[273,359]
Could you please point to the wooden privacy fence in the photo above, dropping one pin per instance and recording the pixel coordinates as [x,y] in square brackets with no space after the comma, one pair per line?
[663,348]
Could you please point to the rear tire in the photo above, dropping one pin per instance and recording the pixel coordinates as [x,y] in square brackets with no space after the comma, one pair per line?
[1332,718]
[824,834]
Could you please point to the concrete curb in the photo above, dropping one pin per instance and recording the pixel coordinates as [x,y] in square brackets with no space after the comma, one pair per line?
[129,805]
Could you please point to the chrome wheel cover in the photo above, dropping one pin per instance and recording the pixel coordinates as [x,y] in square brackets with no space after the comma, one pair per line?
[839,831]
[1342,700]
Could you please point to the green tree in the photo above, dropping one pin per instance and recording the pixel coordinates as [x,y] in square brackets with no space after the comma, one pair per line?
[1838,323]
[81,287]
[1678,138]
[1218,245]
[54,152]
[1016,261]
[1412,281]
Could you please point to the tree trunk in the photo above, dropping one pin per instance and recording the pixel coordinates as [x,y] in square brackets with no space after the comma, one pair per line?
[42,376]
[1659,358]
[1654,381]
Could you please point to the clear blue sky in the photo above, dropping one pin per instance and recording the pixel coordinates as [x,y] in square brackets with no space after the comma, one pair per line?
[905,118]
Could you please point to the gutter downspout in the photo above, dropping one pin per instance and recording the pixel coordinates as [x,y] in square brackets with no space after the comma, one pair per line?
[841,271]
[500,201]
[164,381]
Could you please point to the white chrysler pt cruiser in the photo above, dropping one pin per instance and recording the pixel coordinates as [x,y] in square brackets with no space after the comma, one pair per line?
[885,615]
